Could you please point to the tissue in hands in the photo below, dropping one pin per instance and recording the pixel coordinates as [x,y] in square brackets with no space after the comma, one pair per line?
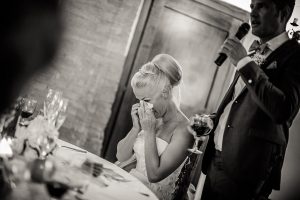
[147,104]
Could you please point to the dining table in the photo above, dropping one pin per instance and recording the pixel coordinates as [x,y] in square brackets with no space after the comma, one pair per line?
[74,167]
[113,183]
[35,164]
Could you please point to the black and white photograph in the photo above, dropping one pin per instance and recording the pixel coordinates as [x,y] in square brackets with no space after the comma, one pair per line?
[150,100]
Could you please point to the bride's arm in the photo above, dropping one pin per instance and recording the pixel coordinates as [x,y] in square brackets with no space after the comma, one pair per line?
[159,168]
[125,146]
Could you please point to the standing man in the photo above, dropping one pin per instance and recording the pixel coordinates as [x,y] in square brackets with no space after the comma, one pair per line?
[244,156]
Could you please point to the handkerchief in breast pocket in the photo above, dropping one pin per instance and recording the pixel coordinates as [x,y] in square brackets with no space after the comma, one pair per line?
[272,65]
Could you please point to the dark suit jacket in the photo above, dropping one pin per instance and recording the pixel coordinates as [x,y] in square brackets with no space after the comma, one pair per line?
[257,128]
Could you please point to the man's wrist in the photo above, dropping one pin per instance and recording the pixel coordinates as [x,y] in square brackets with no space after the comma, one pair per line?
[244,61]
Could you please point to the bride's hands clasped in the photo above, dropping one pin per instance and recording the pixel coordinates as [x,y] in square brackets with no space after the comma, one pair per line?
[147,118]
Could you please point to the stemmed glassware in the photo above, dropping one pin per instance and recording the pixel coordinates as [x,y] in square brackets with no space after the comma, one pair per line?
[52,105]
[55,107]
[28,107]
[62,113]
[201,125]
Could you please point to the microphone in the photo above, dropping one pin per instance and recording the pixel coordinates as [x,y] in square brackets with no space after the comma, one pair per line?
[242,31]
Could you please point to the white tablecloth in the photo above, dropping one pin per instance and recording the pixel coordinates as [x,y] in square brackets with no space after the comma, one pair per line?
[103,188]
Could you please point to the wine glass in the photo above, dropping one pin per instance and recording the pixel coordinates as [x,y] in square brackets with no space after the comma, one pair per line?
[201,125]
[62,113]
[56,189]
[52,105]
[27,109]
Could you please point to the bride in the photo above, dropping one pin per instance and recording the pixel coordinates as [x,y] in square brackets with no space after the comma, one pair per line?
[158,139]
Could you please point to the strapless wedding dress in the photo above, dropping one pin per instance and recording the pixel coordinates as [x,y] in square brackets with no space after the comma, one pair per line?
[164,188]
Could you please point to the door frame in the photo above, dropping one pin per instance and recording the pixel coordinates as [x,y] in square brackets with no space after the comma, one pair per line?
[127,70]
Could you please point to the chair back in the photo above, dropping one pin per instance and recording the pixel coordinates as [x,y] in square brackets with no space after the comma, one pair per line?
[185,177]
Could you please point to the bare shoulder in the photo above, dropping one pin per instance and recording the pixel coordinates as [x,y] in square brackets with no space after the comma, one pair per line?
[182,124]
[181,130]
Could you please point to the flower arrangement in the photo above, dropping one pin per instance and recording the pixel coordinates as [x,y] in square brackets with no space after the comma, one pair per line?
[40,135]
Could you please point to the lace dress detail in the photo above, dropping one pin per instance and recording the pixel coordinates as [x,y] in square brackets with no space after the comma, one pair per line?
[164,188]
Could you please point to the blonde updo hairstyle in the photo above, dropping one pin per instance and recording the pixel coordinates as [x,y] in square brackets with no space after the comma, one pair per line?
[163,71]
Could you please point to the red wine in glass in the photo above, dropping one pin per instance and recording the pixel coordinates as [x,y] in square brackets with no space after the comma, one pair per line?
[56,189]
[201,130]
[26,113]
[201,126]
[28,108]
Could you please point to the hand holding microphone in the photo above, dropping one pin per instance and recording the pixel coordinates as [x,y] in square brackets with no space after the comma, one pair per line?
[233,48]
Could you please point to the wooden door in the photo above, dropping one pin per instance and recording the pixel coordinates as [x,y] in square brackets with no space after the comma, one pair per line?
[192,31]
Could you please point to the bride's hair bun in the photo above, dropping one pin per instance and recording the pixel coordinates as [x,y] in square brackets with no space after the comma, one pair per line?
[163,70]
[169,66]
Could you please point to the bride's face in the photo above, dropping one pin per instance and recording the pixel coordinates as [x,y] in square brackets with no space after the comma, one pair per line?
[154,97]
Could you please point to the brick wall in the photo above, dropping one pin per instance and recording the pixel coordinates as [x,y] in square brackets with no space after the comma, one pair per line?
[89,66]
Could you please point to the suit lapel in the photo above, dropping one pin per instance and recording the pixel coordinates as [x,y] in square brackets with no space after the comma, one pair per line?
[283,49]
[288,45]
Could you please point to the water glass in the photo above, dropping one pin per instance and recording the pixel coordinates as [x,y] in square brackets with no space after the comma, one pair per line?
[52,105]
[62,113]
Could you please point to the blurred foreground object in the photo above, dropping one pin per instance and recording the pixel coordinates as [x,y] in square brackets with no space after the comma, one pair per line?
[29,38]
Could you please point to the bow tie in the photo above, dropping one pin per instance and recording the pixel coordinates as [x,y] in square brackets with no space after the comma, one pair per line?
[257,47]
